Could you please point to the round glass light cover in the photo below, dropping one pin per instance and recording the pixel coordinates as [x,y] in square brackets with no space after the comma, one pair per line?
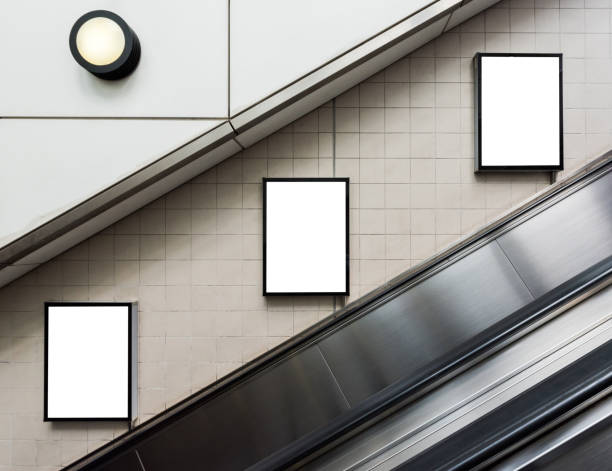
[100,41]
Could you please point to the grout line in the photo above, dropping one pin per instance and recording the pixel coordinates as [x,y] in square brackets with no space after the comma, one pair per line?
[334,137]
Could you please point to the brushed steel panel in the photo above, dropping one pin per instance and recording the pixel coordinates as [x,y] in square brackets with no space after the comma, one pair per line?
[481,388]
[241,427]
[401,337]
[564,240]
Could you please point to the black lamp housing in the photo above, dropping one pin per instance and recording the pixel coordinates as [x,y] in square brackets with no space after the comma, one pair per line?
[124,64]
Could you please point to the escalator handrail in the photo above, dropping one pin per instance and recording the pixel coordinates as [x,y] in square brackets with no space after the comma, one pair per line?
[405,390]
[353,310]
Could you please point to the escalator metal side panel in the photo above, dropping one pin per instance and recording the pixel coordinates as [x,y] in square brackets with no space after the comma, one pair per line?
[250,421]
[424,323]
[446,366]
[564,240]
[470,395]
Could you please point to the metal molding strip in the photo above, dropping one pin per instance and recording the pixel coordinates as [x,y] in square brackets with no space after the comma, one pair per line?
[252,115]
[112,196]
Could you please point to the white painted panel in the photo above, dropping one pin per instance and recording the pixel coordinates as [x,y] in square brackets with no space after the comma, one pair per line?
[182,70]
[50,165]
[87,361]
[274,42]
[306,223]
[520,111]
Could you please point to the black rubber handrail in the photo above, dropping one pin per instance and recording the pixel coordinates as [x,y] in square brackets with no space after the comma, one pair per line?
[395,392]
[520,417]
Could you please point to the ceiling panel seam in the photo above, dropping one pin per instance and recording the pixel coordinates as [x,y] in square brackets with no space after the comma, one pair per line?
[124,118]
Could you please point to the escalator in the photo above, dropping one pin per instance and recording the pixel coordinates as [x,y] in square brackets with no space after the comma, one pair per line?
[584,385]
[582,442]
[483,414]
[296,404]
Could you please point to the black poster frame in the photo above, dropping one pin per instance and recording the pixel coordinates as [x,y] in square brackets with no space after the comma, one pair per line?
[478,166]
[346,291]
[130,319]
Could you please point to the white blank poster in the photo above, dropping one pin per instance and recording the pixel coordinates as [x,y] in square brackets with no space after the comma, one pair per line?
[87,362]
[306,236]
[520,114]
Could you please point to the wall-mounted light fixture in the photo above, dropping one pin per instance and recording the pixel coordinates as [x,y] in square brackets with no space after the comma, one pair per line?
[103,44]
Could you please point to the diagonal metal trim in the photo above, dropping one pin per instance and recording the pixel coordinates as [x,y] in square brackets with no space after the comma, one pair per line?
[343,54]
[339,66]
[116,193]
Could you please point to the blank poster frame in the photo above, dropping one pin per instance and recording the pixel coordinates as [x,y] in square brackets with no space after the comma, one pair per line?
[132,386]
[346,291]
[478,167]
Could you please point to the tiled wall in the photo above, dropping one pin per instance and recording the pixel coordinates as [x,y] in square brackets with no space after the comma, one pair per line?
[193,259]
